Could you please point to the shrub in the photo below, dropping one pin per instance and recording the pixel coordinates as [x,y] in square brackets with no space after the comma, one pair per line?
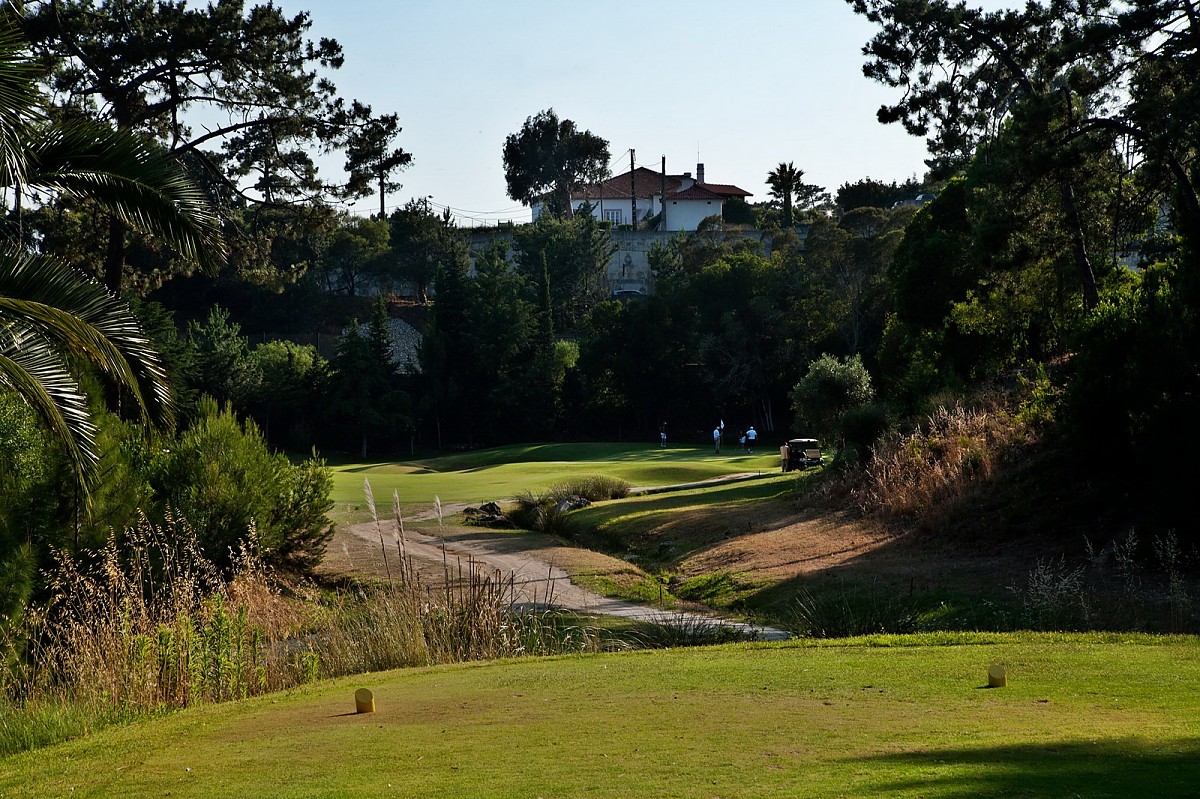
[545,513]
[223,478]
[593,488]
[861,427]
[686,630]
[548,512]
[830,388]
[30,499]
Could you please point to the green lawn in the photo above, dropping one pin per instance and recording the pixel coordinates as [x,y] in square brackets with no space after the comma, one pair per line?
[625,518]
[502,472]
[1083,715]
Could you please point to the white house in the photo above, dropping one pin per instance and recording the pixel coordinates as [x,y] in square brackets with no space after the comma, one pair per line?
[687,200]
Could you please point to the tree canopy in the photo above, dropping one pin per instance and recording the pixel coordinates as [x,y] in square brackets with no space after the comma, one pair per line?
[552,157]
[1070,72]
[789,190]
[240,92]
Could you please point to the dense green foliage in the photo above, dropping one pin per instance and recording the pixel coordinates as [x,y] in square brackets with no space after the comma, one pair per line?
[829,389]
[549,158]
[789,192]
[1065,184]
[223,478]
[142,66]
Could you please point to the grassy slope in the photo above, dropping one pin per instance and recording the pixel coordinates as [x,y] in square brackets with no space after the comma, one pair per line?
[502,472]
[1082,715]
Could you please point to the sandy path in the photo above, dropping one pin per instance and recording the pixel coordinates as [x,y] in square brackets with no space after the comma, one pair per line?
[535,580]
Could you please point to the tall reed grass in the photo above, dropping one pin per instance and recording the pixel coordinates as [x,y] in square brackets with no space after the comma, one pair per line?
[931,466]
[153,625]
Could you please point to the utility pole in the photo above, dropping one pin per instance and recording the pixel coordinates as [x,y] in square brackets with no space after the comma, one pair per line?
[382,194]
[633,185]
[662,197]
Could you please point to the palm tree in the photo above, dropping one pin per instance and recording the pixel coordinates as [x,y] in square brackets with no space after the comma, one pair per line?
[784,181]
[53,318]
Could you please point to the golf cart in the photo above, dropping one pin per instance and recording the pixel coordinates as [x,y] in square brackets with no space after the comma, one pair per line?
[800,453]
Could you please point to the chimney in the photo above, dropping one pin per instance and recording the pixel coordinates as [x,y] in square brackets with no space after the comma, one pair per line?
[699,173]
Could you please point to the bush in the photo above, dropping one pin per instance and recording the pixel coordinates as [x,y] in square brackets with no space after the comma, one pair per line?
[593,488]
[543,513]
[547,512]
[862,426]
[223,478]
[29,501]
[829,389]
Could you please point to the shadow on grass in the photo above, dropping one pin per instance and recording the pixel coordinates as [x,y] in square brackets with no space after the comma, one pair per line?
[1122,767]
[717,494]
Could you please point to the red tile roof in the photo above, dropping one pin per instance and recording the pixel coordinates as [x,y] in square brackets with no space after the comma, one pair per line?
[726,190]
[620,187]
[649,183]
[699,191]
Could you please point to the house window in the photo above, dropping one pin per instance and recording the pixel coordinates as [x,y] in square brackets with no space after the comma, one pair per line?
[613,216]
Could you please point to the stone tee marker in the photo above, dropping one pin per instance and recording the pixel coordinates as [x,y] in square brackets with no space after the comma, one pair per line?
[364,701]
[997,676]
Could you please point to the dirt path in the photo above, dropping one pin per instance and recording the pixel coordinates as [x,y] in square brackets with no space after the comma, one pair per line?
[775,544]
[536,578]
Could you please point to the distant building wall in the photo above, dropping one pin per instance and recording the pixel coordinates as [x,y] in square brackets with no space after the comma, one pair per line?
[687,214]
[629,269]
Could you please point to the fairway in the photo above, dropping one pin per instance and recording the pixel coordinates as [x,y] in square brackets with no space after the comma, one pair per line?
[1082,715]
[500,473]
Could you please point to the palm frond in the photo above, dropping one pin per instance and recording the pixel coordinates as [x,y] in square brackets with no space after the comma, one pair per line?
[80,317]
[19,100]
[31,366]
[133,178]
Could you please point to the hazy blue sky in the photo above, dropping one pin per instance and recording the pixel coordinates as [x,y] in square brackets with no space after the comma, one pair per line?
[738,86]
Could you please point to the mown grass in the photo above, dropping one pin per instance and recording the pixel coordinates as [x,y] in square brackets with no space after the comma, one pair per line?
[503,472]
[1088,715]
[621,525]
[628,585]
[632,511]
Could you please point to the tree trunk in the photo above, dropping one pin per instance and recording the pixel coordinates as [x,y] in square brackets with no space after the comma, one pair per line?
[768,412]
[1087,277]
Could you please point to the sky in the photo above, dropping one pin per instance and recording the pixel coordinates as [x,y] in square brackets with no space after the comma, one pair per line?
[739,87]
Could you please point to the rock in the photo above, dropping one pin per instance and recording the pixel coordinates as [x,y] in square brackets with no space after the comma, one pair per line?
[487,515]
[571,503]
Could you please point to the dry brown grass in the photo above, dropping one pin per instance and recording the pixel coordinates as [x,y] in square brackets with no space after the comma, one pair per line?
[922,472]
[153,624]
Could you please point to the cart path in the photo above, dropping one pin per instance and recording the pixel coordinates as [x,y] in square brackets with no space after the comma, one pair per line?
[535,581]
